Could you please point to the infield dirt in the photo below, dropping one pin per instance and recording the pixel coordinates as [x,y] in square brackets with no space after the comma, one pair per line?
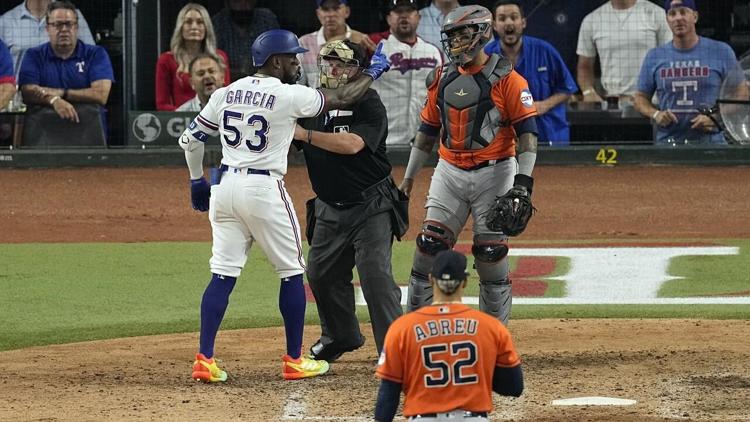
[691,370]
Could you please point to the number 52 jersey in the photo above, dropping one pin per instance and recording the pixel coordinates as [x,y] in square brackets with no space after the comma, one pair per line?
[254,118]
[444,357]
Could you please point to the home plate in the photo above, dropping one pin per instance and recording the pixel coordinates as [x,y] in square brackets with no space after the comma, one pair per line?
[593,401]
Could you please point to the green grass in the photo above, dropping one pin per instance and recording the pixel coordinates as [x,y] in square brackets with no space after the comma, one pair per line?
[60,293]
[710,275]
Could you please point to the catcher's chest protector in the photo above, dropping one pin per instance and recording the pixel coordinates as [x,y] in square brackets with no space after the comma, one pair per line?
[468,110]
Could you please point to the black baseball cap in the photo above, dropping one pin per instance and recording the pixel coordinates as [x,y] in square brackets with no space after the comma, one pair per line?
[401,4]
[449,265]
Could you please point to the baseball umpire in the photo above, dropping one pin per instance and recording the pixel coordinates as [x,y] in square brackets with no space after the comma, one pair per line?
[355,216]
[482,106]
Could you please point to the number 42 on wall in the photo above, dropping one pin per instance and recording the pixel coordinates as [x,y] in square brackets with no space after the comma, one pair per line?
[607,156]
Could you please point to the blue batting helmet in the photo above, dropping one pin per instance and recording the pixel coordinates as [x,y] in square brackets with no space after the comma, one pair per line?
[274,41]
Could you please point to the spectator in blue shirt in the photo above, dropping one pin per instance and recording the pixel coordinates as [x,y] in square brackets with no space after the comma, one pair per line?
[24,27]
[7,78]
[550,82]
[687,74]
[65,71]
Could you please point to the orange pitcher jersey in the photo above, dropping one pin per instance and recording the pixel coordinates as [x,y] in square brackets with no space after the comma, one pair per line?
[444,357]
[511,96]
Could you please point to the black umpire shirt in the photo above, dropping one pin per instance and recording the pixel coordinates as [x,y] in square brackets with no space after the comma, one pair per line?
[343,177]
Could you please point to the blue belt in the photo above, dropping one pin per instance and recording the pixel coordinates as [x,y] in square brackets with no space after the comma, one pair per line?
[248,170]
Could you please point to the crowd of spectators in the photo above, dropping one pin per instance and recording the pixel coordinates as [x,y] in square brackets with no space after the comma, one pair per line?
[625,51]
[56,70]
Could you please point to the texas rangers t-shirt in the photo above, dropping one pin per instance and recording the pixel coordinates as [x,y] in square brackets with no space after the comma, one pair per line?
[686,80]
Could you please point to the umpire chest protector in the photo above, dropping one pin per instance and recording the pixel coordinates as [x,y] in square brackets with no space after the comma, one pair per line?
[467,104]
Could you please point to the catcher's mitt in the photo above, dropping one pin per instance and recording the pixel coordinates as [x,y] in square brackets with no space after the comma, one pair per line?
[510,213]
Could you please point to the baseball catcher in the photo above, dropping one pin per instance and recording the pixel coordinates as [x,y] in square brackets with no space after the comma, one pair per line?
[482,113]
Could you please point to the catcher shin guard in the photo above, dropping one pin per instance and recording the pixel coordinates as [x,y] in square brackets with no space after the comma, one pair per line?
[420,291]
[489,248]
[494,288]
[496,299]
[434,238]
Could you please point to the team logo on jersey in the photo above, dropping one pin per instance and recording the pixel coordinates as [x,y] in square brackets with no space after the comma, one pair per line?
[526,99]
[341,129]
[403,65]
[146,127]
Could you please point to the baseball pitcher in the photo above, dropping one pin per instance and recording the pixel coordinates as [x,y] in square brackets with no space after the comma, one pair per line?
[479,106]
[255,118]
[448,357]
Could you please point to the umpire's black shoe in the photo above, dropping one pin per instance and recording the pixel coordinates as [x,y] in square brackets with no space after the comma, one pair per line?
[330,352]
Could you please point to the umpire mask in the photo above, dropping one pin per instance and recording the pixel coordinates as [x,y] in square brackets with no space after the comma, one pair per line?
[338,62]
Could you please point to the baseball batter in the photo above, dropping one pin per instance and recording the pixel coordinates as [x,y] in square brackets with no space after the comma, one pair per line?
[482,106]
[255,119]
[448,357]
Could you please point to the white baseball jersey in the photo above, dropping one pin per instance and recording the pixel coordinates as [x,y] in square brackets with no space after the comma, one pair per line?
[255,118]
[402,89]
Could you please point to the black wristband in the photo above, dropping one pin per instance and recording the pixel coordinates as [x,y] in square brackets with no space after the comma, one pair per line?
[309,136]
[525,181]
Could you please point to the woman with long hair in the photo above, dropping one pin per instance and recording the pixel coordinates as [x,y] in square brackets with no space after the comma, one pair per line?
[193,34]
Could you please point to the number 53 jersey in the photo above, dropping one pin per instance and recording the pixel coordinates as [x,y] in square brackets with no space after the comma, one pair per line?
[255,118]
[444,356]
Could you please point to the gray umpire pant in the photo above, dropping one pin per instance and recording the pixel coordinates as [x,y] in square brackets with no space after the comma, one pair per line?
[359,236]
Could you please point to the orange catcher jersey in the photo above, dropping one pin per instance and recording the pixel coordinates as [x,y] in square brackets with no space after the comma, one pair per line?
[478,116]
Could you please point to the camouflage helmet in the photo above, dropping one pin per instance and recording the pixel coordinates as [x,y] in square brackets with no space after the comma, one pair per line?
[479,20]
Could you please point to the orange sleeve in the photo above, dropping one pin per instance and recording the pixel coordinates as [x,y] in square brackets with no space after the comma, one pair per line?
[430,112]
[390,366]
[507,356]
[513,97]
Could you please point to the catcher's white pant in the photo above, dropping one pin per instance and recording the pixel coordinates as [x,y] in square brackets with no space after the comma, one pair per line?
[254,207]
[453,416]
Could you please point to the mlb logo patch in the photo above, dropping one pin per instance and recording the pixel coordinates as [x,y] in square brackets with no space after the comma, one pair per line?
[526,99]
[341,129]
